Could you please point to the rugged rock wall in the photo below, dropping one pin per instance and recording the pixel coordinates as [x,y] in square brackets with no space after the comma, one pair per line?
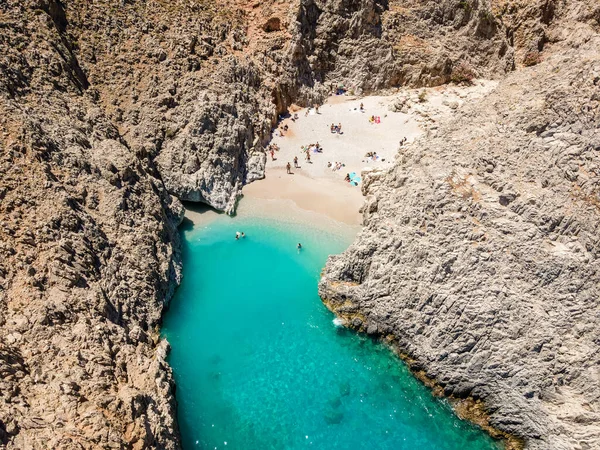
[373,44]
[180,81]
[88,256]
[480,256]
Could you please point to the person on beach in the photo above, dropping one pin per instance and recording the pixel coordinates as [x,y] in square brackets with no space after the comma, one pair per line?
[308,157]
[272,155]
[333,129]
[347,179]
[296,162]
[289,168]
[362,108]
[339,128]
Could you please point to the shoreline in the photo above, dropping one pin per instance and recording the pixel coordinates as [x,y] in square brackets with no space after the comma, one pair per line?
[467,408]
[336,200]
[278,209]
[319,198]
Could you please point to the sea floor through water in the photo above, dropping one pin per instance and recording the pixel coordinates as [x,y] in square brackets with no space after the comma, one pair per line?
[260,363]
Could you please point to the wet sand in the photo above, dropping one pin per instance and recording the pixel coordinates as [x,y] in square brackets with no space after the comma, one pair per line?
[332,198]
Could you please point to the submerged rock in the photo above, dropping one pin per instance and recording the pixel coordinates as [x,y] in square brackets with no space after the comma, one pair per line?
[333,417]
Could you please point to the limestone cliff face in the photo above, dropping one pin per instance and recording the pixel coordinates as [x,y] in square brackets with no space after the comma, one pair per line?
[480,256]
[182,84]
[372,44]
[88,256]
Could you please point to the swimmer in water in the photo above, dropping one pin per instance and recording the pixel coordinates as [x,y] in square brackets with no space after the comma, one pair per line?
[237,235]
[299,246]
[243,235]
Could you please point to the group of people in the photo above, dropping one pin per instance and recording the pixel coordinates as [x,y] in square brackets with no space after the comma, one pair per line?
[335,167]
[296,165]
[283,129]
[336,128]
[316,108]
[316,148]
[374,119]
[372,155]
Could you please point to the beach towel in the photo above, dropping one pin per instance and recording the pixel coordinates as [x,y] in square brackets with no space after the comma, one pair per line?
[354,179]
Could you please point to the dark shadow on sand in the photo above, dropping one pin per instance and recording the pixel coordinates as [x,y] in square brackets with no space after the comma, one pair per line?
[199,208]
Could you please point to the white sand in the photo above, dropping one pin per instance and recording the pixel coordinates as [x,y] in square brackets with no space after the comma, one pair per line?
[316,189]
[359,137]
[314,186]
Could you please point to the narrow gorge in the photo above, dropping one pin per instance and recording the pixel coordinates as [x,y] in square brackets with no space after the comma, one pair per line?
[479,257]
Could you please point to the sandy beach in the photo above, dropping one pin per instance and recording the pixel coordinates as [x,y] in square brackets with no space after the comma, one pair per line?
[358,137]
[316,187]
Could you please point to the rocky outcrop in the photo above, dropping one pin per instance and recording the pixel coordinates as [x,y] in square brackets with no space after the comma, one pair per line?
[480,257]
[89,257]
[184,88]
[373,44]
[219,145]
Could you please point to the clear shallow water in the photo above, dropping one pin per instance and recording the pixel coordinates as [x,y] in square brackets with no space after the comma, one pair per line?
[259,363]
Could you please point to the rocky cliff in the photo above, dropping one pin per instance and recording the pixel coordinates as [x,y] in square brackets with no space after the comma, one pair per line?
[89,256]
[480,256]
[114,110]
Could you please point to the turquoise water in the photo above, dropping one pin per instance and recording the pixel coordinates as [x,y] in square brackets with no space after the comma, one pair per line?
[259,363]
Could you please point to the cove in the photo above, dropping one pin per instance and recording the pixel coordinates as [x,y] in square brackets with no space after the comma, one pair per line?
[260,364]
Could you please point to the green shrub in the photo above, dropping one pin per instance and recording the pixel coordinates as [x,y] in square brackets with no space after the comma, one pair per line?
[464,4]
